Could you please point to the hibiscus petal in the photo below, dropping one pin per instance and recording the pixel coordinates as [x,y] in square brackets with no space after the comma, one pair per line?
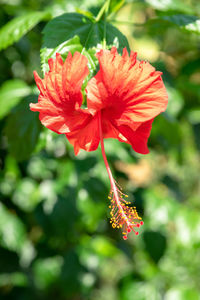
[138,138]
[55,123]
[40,83]
[111,131]
[44,105]
[110,81]
[60,94]
[127,90]
[75,71]
[87,137]
[53,117]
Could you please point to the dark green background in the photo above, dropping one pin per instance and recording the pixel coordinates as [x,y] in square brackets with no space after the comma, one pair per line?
[55,236]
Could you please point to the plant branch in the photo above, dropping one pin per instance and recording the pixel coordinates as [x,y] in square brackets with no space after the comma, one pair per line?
[103,10]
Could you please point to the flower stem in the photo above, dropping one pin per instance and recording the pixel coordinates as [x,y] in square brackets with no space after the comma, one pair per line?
[122,215]
[104,154]
[112,181]
[104,8]
[129,23]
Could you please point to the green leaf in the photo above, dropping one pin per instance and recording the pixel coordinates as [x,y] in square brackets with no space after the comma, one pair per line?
[22,130]
[12,230]
[70,278]
[164,125]
[176,101]
[47,271]
[71,45]
[188,23]
[26,195]
[155,244]
[103,246]
[115,5]
[63,28]
[75,32]
[184,22]
[175,5]
[19,26]
[91,211]
[194,115]
[139,290]
[182,292]
[57,213]
[14,279]
[187,227]
[11,92]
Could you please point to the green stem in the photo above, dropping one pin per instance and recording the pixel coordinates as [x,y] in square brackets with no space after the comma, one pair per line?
[104,8]
[104,30]
[126,22]
[112,181]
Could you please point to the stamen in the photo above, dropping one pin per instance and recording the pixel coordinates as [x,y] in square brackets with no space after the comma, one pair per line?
[122,214]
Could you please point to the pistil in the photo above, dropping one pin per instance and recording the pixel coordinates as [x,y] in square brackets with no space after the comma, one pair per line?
[122,215]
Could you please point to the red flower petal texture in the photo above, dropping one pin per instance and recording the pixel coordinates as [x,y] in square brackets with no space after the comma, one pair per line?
[60,94]
[129,93]
[87,138]
[60,100]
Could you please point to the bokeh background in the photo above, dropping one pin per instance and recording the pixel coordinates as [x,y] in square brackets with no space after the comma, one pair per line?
[55,236]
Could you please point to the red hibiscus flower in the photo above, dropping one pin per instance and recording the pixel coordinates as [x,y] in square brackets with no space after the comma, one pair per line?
[122,99]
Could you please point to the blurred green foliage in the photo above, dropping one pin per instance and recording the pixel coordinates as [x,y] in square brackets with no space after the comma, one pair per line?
[55,236]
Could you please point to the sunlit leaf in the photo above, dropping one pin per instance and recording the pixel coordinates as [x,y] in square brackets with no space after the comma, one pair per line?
[188,23]
[91,211]
[47,270]
[174,5]
[138,290]
[115,5]
[12,230]
[26,195]
[182,292]
[19,26]
[18,279]
[187,227]
[176,101]
[103,247]
[71,45]
[183,22]
[11,92]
